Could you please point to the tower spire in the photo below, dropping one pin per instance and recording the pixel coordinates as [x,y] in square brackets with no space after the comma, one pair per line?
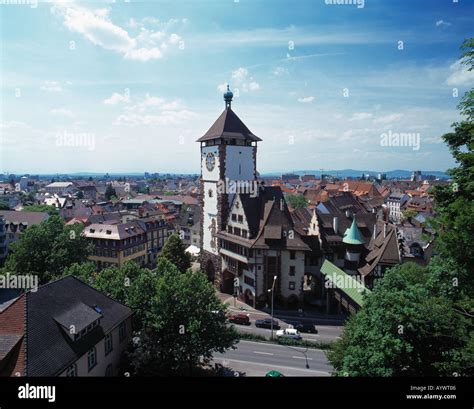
[228,95]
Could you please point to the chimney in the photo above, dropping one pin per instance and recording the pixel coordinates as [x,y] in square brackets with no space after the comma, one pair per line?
[384,230]
[335,224]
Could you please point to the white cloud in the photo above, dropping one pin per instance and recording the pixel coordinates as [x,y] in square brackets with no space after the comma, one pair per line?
[279,71]
[116,98]
[241,79]
[442,23]
[174,38]
[144,54]
[358,116]
[460,76]
[388,118]
[240,74]
[62,112]
[222,87]
[97,27]
[51,86]
[306,100]
[149,109]
[251,86]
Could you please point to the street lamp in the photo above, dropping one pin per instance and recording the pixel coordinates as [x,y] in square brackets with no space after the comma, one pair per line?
[272,291]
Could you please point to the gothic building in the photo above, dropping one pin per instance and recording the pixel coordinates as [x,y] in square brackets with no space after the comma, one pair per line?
[248,237]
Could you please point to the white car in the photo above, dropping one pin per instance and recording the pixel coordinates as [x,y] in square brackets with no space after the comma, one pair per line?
[288,333]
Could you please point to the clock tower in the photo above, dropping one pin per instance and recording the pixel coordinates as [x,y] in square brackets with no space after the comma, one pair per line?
[228,158]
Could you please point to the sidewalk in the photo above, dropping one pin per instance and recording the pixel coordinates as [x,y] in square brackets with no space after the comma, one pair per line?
[307,316]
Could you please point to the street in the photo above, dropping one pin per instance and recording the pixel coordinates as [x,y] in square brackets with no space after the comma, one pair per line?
[257,358]
[329,328]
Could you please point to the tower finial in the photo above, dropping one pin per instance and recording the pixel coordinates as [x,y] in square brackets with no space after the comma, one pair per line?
[228,95]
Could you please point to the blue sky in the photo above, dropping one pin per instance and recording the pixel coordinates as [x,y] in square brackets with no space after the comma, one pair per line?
[129,86]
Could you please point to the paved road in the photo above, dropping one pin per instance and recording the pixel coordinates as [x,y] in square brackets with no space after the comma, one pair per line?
[329,327]
[325,333]
[257,358]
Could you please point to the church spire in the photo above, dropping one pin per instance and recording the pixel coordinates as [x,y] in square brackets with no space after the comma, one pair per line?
[228,95]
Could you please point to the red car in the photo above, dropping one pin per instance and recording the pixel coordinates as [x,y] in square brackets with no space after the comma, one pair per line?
[242,319]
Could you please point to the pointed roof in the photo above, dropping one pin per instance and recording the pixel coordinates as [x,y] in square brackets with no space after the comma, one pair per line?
[352,234]
[229,125]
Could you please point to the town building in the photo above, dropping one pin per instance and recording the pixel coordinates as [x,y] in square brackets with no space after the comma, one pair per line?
[395,202]
[60,188]
[114,244]
[65,328]
[247,234]
[15,223]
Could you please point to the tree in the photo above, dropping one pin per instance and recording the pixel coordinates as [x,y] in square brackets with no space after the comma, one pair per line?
[296,201]
[51,210]
[47,248]
[404,329]
[185,324]
[110,192]
[174,250]
[455,203]
[434,306]
[177,316]
[4,206]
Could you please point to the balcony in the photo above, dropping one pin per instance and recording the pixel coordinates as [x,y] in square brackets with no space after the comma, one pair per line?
[235,256]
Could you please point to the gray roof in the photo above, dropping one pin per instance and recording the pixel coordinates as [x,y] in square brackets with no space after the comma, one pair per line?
[115,231]
[7,343]
[229,125]
[49,349]
[79,315]
[12,216]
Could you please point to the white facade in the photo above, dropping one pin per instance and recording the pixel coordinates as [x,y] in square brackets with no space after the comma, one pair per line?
[106,364]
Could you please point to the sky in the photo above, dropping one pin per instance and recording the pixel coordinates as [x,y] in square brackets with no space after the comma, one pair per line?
[128,86]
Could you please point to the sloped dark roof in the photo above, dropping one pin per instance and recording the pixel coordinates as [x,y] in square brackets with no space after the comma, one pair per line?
[49,349]
[229,125]
[383,249]
[269,220]
[7,343]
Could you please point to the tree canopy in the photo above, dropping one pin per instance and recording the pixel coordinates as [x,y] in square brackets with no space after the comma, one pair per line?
[419,321]
[174,251]
[47,248]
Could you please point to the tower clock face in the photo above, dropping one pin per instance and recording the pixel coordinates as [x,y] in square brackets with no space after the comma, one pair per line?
[210,161]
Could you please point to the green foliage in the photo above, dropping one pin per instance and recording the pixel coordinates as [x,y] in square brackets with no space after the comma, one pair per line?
[404,329]
[47,248]
[296,201]
[4,206]
[110,192]
[51,210]
[174,251]
[183,321]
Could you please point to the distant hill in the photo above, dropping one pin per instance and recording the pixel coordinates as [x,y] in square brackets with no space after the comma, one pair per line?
[352,173]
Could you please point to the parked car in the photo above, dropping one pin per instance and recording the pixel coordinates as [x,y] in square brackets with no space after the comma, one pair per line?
[290,333]
[274,374]
[242,319]
[267,323]
[305,328]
